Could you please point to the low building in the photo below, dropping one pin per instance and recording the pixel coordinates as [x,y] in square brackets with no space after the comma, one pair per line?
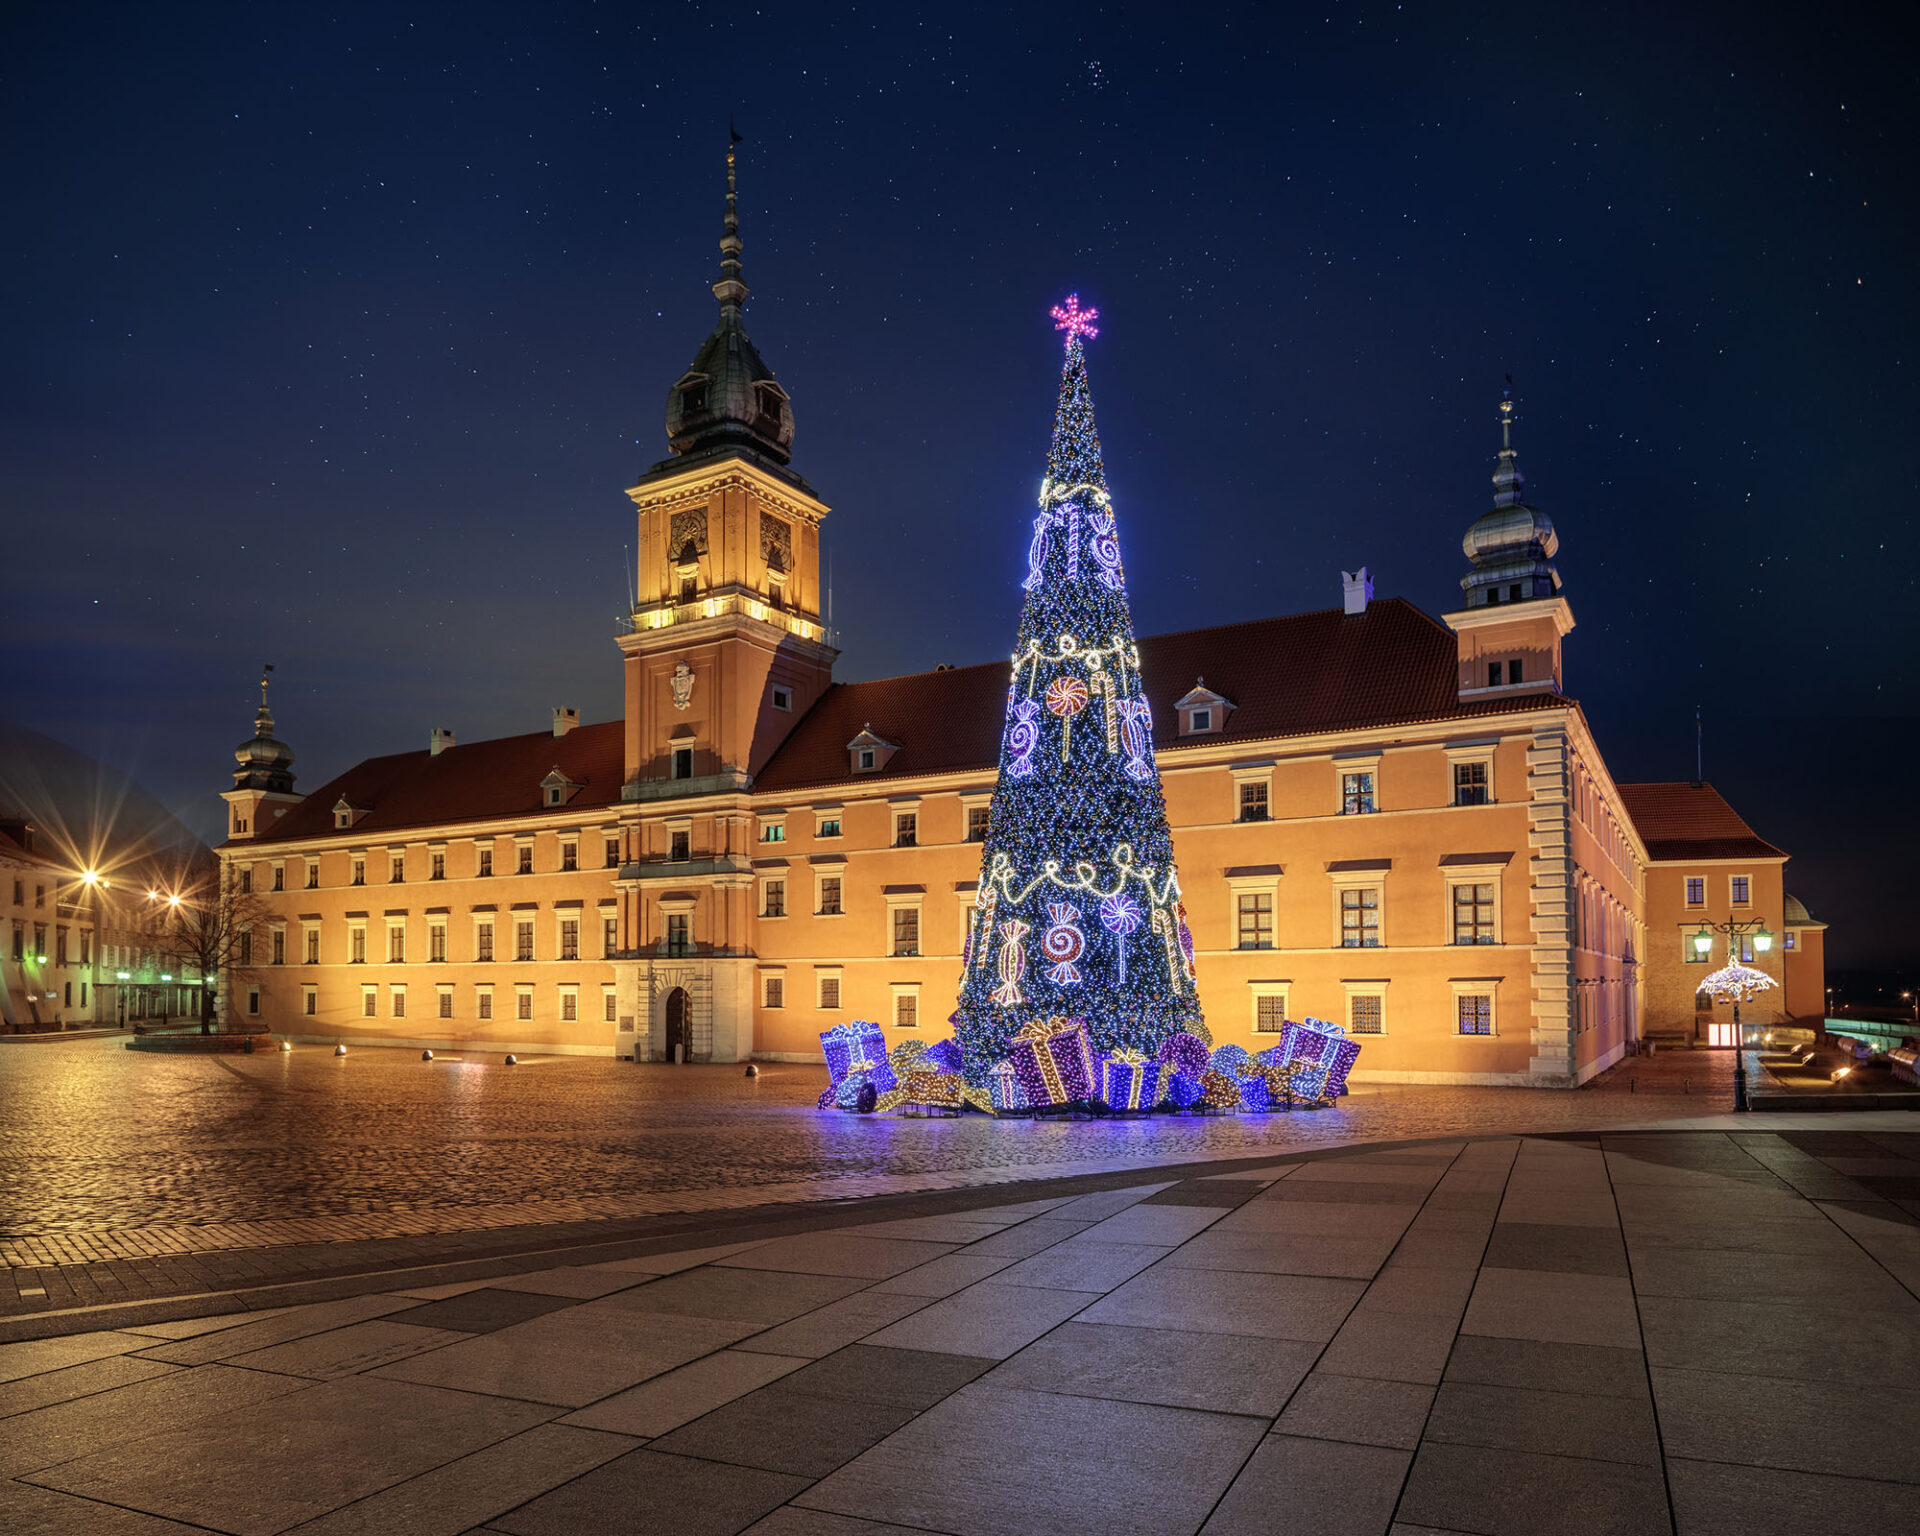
[46,967]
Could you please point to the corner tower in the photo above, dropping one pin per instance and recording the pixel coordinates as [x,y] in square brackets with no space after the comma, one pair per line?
[263,783]
[727,648]
[1514,617]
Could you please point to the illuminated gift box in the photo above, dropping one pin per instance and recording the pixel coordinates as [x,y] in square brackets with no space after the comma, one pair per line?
[942,1056]
[1128,1080]
[1053,1062]
[859,1045]
[1256,1094]
[1003,1088]
[933,1090]
[1328,1048]
[1186,1053]
[1185,1089]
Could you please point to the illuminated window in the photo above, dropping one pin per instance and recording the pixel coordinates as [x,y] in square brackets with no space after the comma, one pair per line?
[1269,1013]
[1253,802]
[1255,929]
[1360,917]
[1473,914]
[775,892]
[679,933]
[906,930]
[829,827]
[977,823]
[1365,1014]
[829,895]
[1741,887]
[774,832]
[1356,794]
[1696,891]
[1473,1013]
[1470,784]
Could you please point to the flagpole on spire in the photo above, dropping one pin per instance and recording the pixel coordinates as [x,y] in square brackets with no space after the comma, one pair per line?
[730,290]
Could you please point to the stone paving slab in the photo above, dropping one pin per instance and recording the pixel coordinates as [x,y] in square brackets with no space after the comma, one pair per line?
[1476,1369]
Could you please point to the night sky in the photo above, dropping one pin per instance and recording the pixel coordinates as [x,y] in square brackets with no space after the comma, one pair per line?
[333,339]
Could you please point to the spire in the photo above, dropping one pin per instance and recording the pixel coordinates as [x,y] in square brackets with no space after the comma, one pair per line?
[1509,485]
[1511,548]
[264,762]
[730,290]
[1073,457]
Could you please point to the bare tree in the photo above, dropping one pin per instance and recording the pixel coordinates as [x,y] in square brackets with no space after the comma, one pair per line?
[212,925]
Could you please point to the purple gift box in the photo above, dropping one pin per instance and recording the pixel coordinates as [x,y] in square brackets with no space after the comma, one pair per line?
[1053,1062]
[847,1046]
[1327,1046]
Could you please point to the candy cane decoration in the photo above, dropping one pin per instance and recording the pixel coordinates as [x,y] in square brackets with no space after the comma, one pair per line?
[1013,963]
[1066,697]
[1063,943]
[1120,916]
[983,910]
[1022,737]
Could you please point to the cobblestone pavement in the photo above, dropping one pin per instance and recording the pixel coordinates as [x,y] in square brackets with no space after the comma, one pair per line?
[121,1171]
[1619,1334]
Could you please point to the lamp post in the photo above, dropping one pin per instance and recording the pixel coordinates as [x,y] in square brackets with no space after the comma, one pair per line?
[1735,983]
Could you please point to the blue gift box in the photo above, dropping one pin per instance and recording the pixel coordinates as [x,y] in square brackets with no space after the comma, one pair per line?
[1129,1082]
[847,1046]
[1328,1048]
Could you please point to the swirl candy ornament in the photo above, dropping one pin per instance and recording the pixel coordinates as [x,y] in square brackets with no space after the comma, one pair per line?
[1106,550]
[1066,697]
[1022,737]
[1013,962]
[1136,738]
[1063,943]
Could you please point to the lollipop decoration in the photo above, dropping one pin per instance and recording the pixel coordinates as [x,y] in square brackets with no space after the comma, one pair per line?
[1063,943]
[1120,916]
[1066,697]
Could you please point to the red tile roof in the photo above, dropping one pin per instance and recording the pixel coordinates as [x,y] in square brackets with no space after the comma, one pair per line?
[1682,822]
[482,781]
[1292,676]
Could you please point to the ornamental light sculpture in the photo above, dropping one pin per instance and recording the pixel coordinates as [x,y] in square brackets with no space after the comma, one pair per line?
[1735,983]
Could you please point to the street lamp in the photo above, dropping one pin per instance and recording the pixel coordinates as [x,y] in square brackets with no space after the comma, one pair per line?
[1735,983]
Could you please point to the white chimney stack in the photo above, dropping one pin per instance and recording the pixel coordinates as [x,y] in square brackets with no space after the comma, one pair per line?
[440,740]
[565,720]
[1356,590]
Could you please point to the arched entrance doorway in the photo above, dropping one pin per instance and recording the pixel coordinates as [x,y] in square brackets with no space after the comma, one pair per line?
[679,1024]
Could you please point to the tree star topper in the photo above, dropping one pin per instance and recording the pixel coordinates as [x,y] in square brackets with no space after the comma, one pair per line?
[1074,320]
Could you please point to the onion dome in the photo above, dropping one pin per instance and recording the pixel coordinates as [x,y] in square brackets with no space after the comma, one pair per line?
[728,398]
[1511,548]
[265,763]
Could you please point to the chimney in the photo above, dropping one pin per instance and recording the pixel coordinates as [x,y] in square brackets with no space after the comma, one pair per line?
[1356,590]
[565,720]
[439,740]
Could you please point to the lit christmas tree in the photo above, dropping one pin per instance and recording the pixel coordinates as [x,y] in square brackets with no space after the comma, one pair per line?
[1078,915]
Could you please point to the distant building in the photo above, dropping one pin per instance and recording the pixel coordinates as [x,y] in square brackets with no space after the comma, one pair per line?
[1393,821]
[46,967]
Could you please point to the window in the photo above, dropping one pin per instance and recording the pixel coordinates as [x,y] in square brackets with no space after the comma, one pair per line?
[313,946]
[679,846]
[1473,914]
[774,991]
[1696,891]
[310,1001]
[774,832]
[569,856]
[977,823]
[553,794]
[1493,674]
[1788,941]
[356,946]
[279,946]
[19,893]
[437,865]
[437,943]
[313,875]
[359,871]
[613,853]
[776,899]
[523,1004]
[1470,784]
[783,698]
[397,864]
[906,930]
[246,945]
[1360,917]
[1473,1013]
[1253,802]
[689,590]
[1255,930]
[1694,952]
[484,866]
[483,1002]
[253,1001]
[399,1002]
[483,940]
[1356,794]
[906,829]
[829,827]
[1513,670]
[279,877]
[1746,949]
[396,945]
[829,895]
[1741,889]
[569,1005]
[569,938]
[86,949]
[609,1004]
[246,887]
[864,758]
[369,1002]
[683,762]
[524,859]
[906,1010]
[1202,719]
[679,933]
[1365,1013]
[445,1000]
[609,937]
[523,939]
[830,992]
[1269,1013]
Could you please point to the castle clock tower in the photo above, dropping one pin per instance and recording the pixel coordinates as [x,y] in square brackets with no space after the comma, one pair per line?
[726,652]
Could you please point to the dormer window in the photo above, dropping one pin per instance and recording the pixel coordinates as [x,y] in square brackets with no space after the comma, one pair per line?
[865,758]
[769,401]
[868,753]
[693,398]
[1202,712]
[345,813]
[557,789]
[1200,720]
[783,698]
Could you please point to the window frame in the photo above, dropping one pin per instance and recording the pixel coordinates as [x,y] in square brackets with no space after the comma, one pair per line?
[1365,989]
[825,976]
[1266,991]
[907,992]
[1460,987]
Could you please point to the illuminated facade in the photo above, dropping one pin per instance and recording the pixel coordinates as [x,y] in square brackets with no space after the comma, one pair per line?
[1398,823]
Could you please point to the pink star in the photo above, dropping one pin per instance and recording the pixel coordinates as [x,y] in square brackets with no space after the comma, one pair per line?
[1074,320]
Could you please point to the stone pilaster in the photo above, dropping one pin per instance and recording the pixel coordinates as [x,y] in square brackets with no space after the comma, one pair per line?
[1549,813]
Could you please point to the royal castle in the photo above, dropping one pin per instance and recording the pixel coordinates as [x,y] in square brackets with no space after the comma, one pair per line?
[1396,821]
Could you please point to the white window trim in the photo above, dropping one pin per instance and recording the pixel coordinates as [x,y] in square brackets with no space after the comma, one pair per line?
[822,814]
[1345,763]
[820,877]
[775,690]
[1465,752]
[369,990]
[1352,989]
[898,990]
[823,974]
[1259,989]
[523,989]
[1345,879]
[774,823]
[773,973]
[309,991]
[1687,902]
[396,993]
[777,877]
[358,925]
[395,925]
[609,1002]
[1475,874]
[483,989]
[574,915]
[1460,986]
[1740,875]
[1252,885]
